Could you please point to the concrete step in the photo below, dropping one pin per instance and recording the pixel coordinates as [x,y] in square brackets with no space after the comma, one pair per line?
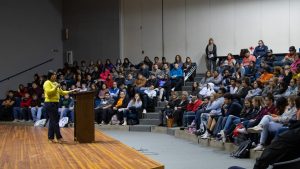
[154,122]
[140,128]
[186,88]
[158,109]
[198,79]
[155,115]
[112,127]
[161,104]
[189,83]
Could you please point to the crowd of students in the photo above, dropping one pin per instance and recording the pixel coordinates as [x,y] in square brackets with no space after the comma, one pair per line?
[238,99]
[123,90]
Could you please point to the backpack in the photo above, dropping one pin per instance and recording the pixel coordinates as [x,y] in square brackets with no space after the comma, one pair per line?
[40,123]
[63,121]
[243,151]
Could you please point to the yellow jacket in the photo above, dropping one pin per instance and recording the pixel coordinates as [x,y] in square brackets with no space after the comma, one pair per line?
[52,94]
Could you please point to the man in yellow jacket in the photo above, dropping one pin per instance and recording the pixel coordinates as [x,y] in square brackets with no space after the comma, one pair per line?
[52,92]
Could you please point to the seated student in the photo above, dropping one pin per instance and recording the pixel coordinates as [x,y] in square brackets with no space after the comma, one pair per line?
[271,123]
[25,104]
[268,107]
[281,89]
[102,91]
[133,108]
[168,110]
[176,75]
[208,78]
[265,76]
[287,74]
[157,62]
[292,89]
[66,107]
[256,91]
[165,71]
[180,108]
[129,80]
[164,86]
[226,78]
[36,90]
[178,61]
[114,91]
[271,87]
[148,98]
[109,81]
[202,108]
[6,111]
[251,71]
[270,58]
[247,58]
[155,70]
[119,106]
[248,112]
[144,70]
[215,103]
[233,108]
[245,87]
[208,90]
[187,67]
[126,64]
[36,108]
[104,75]
[21,91]
[152,81]
[217,78]
[289,58]
[191,109]
[232,88]
[103,111]
[195,89]
[139,83]
[120,79]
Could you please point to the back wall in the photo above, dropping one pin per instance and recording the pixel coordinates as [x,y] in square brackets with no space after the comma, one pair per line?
[30,34]
[170,27]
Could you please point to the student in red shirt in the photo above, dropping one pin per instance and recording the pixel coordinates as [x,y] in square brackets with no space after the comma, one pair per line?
[192,107]
[25,107]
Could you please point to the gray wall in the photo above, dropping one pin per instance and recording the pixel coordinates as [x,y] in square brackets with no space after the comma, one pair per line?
[94,29]
[29,32]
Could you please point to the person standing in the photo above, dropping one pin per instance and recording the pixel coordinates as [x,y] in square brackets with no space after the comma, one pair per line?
[211,55]
[52,92]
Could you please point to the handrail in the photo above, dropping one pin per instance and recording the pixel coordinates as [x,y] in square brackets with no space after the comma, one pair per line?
[21,72]
[194,67]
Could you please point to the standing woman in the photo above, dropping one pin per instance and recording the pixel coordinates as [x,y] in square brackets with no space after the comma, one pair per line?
[211,55]
[52,93]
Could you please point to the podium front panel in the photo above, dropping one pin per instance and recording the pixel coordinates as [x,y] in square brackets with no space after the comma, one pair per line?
[84,129]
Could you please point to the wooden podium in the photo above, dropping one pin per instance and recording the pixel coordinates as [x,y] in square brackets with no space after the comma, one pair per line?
[84,129]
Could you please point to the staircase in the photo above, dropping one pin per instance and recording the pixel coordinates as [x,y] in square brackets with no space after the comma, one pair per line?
[153,118]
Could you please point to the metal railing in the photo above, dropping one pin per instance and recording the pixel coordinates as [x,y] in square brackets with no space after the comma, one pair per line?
[26,70]
[188,74]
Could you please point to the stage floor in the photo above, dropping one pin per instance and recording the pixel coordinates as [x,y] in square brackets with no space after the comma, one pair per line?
[27,147]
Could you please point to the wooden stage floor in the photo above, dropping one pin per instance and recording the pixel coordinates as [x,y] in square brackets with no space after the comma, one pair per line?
[27,147]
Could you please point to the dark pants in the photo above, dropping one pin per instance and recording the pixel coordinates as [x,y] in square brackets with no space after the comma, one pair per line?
[103,115]
[285,147]
[51,109]
[6,113]
[177,83]
[178,116]
[26,113]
